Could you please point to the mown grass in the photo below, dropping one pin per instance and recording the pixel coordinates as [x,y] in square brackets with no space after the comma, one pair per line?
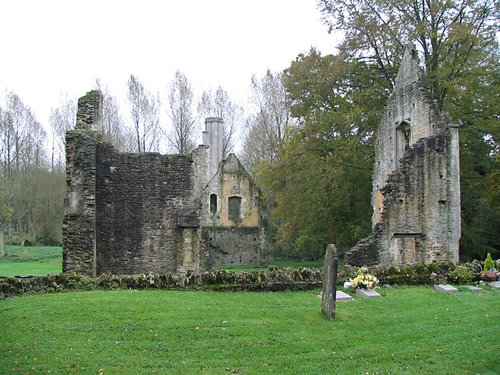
[414,330]
[31,260]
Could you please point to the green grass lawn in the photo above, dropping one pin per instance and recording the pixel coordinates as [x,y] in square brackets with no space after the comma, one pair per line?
[31,260]
[414,330]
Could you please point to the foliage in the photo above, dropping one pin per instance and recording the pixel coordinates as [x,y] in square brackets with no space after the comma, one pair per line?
[459,49]
[489,264]
[419,330]
[320,185]
[31,186]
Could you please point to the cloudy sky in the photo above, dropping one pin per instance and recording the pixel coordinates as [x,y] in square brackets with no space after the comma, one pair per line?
[55,47]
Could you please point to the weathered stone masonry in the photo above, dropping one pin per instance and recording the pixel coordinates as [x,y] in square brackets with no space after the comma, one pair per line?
[416,186]
[129,213]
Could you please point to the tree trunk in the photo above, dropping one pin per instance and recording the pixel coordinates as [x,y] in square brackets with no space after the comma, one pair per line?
[3,249]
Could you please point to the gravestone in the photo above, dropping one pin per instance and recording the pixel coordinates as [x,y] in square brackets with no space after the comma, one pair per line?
[329,295]
[474,288]
[367,293]
[445,288]
[495,284]
[339,296]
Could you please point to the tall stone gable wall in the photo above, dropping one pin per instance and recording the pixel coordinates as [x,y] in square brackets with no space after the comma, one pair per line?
[416,187]
[240,240]
[79,240]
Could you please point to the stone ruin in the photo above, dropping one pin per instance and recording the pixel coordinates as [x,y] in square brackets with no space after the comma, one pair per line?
[416,180]
[129,213]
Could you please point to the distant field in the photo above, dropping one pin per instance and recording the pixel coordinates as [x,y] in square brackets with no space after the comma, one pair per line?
[41,260]
[414,330]
[31,260]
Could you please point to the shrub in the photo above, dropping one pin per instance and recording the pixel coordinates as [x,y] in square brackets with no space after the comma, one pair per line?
[464,274]
[489,264]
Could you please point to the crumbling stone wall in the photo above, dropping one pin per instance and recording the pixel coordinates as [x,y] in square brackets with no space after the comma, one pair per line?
[79,241]
[128,213]
[416,187]
[146,222]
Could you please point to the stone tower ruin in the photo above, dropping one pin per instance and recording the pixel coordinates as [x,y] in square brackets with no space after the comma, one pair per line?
[416,179]
[128,213]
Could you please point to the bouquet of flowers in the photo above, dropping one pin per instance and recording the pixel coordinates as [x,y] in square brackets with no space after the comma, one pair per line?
[364,280]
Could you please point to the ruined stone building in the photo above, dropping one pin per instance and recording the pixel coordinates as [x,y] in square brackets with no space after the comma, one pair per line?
[416,179]
[128,213]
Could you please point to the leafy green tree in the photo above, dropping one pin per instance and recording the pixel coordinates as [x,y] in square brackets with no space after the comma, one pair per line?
[321,182]
[459,49]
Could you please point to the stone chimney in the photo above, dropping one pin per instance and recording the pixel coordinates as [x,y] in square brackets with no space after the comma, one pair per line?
[89,113]
[213,137]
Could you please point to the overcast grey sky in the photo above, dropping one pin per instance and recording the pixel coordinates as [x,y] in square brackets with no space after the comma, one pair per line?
[55,47]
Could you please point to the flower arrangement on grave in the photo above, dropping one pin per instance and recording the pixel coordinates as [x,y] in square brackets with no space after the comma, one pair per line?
[488,275]
[489,272]
[364,280]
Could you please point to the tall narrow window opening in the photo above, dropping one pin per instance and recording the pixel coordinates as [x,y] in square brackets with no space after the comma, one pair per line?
[213,203]
[403,139]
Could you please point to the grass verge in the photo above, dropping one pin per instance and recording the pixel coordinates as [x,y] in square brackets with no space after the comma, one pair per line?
[414,330]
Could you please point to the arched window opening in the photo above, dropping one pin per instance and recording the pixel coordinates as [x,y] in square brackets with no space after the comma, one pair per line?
[403,139]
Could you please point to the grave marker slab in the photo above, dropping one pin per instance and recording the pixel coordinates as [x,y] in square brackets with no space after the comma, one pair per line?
[445,288]
[367,293]
[474,288]
[495,284]
[340,296]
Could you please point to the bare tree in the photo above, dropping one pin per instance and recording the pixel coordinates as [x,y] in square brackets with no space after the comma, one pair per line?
[219,104]
[180,99]
[113,126]
[21,137]
[145,115]
[22,151]
[61,120]
[266,127]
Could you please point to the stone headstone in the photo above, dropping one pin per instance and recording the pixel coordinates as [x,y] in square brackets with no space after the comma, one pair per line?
[367,293]
[445,288]
[340,296]
[329,293]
